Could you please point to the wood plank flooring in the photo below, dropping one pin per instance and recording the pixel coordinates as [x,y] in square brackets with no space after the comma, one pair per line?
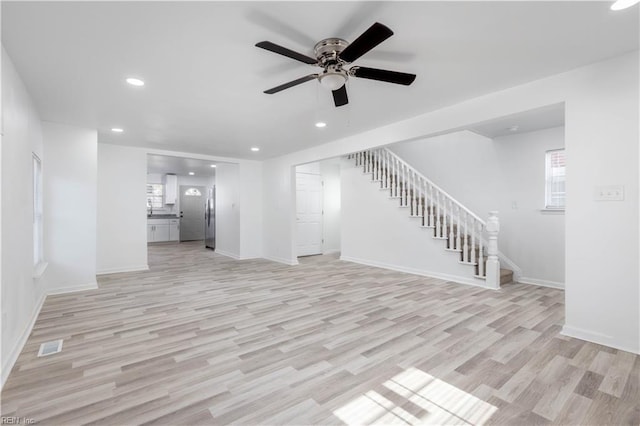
[205,339]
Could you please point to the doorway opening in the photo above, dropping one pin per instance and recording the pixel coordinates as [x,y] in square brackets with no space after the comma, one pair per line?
[180,194]
[318,208]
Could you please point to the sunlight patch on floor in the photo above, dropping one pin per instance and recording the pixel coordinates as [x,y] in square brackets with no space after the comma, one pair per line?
[426,400]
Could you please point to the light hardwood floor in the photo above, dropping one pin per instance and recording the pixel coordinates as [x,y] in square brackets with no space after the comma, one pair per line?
[204,339]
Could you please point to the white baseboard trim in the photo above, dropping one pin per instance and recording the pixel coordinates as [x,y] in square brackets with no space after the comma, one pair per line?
[289,262]
[135,268]
[73,289]
[8,363]
[228,254]
[331,251]
[541,283]
[431,274]
[599,338]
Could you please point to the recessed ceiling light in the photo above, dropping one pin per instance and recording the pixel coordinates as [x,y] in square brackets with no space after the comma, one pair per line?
[213,165]
[135,81]
[321,124]
[191,173]
[117,130]
[623,4]
[255,149]
[513,128]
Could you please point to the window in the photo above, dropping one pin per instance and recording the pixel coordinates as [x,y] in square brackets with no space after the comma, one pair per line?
[192,192]
[555,180]
[155,193]
[38,258]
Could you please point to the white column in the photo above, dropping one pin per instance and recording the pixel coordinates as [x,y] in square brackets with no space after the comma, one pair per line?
[493,264]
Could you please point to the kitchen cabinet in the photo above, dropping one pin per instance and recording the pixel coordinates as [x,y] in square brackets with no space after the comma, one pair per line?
[174,229]
[159,230]
[170,189]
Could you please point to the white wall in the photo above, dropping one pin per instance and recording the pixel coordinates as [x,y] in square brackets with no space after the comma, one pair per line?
[602,274]
[330,171]
[250,197]
[70,218]
[602,253]
[22,296]
[228,210]
[533,239]
[506,174]
[122,213]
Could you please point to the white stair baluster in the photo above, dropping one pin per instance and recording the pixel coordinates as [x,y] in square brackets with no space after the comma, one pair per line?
[480,252]
[385,175]
[432,211]
[392,178]
[444,216]
[472,257]
[419,187]
[437,213]
[414,208]
[458,226]
[371,162]
[403,195]
[451,242]
[465,245]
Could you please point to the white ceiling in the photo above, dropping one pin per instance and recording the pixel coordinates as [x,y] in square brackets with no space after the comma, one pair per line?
[522,122]
[204,77]
[180,166]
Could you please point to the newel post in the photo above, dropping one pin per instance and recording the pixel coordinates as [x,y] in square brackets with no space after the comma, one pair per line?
[493,264]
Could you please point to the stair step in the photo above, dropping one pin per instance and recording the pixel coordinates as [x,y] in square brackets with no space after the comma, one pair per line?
[506,276]
[454,250]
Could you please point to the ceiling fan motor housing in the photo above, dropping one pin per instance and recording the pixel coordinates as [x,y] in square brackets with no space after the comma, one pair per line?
[327,50]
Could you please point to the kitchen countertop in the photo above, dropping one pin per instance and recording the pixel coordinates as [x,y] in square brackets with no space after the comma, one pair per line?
[163,216]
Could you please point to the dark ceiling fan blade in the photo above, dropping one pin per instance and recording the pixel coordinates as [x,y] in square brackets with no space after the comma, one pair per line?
[340,96]
[272,47]
[376,34]
[291,84]
[383,75]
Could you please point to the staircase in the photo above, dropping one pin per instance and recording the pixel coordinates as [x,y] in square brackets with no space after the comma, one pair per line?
[463,233]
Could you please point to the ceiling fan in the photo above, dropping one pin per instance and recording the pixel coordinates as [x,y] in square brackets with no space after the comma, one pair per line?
[335,55]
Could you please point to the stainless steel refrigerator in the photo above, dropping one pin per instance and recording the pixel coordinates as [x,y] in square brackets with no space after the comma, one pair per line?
[210,219]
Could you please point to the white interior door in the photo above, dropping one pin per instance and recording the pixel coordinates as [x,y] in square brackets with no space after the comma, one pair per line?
[309,213]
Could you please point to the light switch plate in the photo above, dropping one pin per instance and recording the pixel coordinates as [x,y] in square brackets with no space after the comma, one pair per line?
[610,193]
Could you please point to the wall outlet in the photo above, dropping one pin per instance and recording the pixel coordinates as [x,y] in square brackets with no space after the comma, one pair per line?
[609,193]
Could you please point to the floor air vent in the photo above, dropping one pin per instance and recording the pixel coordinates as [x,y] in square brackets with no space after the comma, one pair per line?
[50,348]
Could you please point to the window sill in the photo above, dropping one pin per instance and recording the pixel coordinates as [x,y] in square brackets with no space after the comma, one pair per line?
[39,269]
[552,211]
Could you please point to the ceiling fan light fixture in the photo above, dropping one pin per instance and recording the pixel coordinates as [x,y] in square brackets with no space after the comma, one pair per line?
[332,81]
[623,4]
